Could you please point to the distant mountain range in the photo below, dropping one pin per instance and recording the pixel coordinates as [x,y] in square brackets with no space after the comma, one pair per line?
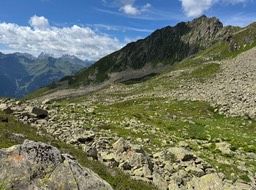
[22,73]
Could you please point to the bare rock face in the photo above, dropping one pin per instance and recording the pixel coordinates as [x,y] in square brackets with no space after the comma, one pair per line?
[35,165]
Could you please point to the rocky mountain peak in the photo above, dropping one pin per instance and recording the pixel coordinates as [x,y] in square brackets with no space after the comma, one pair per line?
[43,56]
[203,31]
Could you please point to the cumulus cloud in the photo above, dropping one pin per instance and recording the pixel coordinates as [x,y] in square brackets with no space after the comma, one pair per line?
[41,37]
[37,22]
[193,8]
[129,8]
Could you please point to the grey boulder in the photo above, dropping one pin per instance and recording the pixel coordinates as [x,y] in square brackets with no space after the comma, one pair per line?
[36,165]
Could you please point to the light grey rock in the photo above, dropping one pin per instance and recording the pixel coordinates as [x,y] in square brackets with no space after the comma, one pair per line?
[46,101]
[181,154]
[121,145]
[91,152]
[207,182]
[224,147]
[173,185]
[195,171]
[159,181]
[180,177]
[243,186]
[138,172]
[6,109]
[35,165]
[107,157]
[82,137]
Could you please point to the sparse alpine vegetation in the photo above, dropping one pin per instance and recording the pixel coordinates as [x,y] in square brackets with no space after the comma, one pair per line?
[189,127]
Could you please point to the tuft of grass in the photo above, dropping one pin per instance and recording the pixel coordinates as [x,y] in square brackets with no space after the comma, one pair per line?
[205,71]
[2,187]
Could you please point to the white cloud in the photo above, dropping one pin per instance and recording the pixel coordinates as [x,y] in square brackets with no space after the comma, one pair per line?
[129,8]
[40,23]
[145,7]
[41,37]
[194,8]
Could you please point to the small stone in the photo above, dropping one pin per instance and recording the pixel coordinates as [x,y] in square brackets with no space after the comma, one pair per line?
[138,172]
[46,101]
[195,171]
[40,113]
[125,166]
[224,147]
[6,109]
[4,119]
[181,154]
[159,181]
[121,145]
[92,152]
[203,183]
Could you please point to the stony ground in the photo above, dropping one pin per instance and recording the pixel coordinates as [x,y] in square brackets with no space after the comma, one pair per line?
[156,132]
[233,89]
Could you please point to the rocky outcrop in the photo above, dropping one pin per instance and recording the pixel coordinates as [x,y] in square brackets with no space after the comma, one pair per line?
[35,165]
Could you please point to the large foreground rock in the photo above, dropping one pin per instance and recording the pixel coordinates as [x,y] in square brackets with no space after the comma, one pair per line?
[35,165]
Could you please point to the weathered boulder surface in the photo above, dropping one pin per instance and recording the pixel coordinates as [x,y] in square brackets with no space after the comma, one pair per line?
[40,113]
[36,165]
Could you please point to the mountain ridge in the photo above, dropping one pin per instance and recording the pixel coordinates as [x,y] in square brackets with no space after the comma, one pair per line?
[137,61]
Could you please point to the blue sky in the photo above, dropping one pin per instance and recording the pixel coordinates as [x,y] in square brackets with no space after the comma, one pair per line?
[91,29]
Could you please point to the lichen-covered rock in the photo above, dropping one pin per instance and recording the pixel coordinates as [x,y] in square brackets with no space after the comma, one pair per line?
[35,165]
[207,182]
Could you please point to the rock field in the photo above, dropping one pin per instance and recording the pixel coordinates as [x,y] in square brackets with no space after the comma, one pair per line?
[172,166]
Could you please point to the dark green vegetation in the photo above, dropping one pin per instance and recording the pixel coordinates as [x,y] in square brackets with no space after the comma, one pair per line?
[21,74]
[13,133]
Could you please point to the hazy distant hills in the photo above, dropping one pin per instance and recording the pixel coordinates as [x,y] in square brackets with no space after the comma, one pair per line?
[21,73]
